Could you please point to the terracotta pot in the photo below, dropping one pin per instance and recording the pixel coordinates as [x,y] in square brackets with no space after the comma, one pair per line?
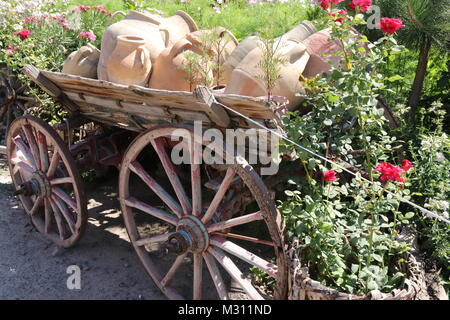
[299,33]
[168,72]
[227,45]
[245,77]
[129,63]
[83,62]
[321,49]
[178,26]
[143,25]
[239,53]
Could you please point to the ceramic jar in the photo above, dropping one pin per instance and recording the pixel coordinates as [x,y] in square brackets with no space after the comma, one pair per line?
[245,78]
[168,72]
[239,53]
[322,49]
[138,24]
[83,62]
[297,34]
[129,63]
[178,26]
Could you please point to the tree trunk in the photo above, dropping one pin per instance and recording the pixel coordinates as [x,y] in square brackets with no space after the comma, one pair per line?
[416,89]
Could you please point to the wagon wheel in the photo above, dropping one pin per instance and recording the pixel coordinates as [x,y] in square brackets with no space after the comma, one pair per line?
[46,180]
[192,230]
[13,99]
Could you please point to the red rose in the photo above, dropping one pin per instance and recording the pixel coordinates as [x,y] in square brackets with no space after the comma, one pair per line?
[389,172]
[406,165]
[23,34]
[329,175]
[390,25]
[362,5]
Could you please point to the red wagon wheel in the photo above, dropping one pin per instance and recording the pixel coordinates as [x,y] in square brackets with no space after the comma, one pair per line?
[46,180]
[174,233]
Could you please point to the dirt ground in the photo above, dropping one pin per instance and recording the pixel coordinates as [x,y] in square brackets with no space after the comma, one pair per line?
[31,267]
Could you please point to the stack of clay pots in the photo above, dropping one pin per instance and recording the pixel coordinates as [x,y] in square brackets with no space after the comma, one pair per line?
[148,50]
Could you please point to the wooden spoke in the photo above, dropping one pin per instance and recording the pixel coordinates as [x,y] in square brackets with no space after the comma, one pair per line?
[156,188]
[219,195]
[58,219]
[65,212]
[241,237]
[235,273]
[196,183]
[48,216]
[36,206]
[25,150]
[65,197]
[53,164]
[245,255]
[155,212]
[158,145]
[198,265]
[216,276]
[154,239]
[33,145]
[24,166]
[235,221]
[43,151]
[57,181]
[168,277]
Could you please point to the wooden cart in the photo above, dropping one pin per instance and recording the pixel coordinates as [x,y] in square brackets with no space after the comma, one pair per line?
[199,209]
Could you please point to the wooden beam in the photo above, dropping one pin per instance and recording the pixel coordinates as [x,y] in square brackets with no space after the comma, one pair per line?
[215,111]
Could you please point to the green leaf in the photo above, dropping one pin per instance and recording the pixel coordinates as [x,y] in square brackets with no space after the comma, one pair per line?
[409,215]
[395,78]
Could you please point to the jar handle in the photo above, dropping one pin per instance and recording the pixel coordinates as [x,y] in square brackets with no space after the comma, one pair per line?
[166,36]
[114,15]
[233,38]
[180,46]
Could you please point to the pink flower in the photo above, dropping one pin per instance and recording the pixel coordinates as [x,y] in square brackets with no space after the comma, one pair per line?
[390,25]
[23,34]
[329,175]
[406,165]
[389,172]
[87,34]
[10,50]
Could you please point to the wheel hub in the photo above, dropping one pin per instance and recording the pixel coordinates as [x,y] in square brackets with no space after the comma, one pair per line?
[191,236]
[37,185]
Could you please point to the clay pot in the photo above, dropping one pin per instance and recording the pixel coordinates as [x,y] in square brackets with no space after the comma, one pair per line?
[227,45]
[245,77]
[178,26]
[129,63]
[239,53]
[299,33]
[83,62]
[138,24]
[321,49]
[168,72]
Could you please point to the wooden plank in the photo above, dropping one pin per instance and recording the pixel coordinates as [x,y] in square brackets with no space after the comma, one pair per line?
[151,112]
[48,86]
[249,106]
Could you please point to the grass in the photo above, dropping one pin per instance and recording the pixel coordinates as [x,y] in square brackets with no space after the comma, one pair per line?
[241,18]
